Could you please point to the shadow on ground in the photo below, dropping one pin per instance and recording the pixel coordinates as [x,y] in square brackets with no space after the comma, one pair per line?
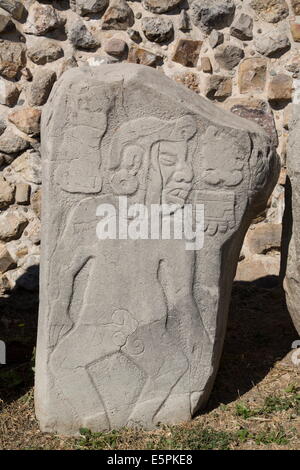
[259,334]
[18,328]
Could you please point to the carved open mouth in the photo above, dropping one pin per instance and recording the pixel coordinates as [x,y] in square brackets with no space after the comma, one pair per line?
[179,193]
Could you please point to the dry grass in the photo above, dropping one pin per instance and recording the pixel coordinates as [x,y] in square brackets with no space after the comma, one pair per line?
[255,403]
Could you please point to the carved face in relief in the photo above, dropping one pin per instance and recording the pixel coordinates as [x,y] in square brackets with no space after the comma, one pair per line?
[176,172]
[154,157]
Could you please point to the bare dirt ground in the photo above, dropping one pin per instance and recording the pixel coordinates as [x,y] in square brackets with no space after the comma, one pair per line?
[255,403]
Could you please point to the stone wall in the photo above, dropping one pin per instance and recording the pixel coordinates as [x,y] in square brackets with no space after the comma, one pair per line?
[243,55]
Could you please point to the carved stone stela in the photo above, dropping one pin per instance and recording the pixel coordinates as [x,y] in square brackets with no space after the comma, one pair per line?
[131,331]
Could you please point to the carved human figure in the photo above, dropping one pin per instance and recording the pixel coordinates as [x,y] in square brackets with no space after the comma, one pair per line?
[161,300]
[131,329]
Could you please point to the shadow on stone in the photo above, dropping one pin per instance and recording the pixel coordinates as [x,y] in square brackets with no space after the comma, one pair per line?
[18,327]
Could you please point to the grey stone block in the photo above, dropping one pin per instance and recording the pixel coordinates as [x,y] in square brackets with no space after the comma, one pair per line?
[131,331]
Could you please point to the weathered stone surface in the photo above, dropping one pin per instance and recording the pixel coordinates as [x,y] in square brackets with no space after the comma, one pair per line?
[187,52]
[242,28]
[256,110]
[27,120]
[296,6]
[134,35]
[272,44]
[16,9]
[291,229]
[5,23]
[157,29]
[160,6]
[184,21]
[119,16]
[81,37]
[260,269]
[9,92]
[280,88]
[138,55]
[12,224]
[6,193]
[43,51]
[10,142]
[42,19]
[212,14]
[153,329]
[41,86]
[25,169]
[22,193]
[6,261]
[12,58]
[295,30]
[36,202]
[216,38]
[206,66]
[271,10]
[229,56]
[218,87]
[263,238]
[116,47]
[252,74]
[86,7]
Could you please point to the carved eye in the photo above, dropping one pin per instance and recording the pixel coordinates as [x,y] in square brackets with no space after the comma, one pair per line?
[167,160]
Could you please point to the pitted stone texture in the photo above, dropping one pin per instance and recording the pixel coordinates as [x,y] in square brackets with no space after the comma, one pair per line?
[271,10]
[81,37]
[242,28]
[187,52]
[42,19]
[11,143]
[86,7]
[218,87]
[291,225]
[15,8]
[138,55]
[116,47]
[229,56]
[43,51]
[12,58]
[212,14]
[252,74]
[160,6]
[5,23]
[272,44]
[12,224]
[9,92]
[41,86]
[296,6]
[256,110]
[118,16]
[157,29]
[135,335]
[26,120]
[6,193]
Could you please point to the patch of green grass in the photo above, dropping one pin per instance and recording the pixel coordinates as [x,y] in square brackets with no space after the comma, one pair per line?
[197,438]
[265,437]
[272,404]
[179,438]
[242,410]
[99,440]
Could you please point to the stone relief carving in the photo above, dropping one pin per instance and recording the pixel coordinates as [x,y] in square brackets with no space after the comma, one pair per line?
[131,331]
